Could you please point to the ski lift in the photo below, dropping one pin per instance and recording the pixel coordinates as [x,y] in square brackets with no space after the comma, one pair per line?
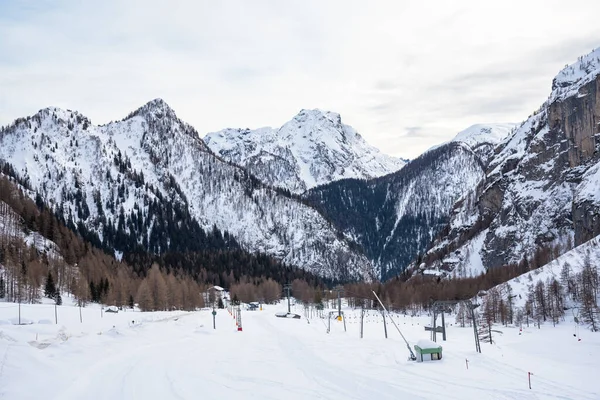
[412,356]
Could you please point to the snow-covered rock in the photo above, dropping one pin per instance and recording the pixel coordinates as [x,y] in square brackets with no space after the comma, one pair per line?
[483,138]
[541,186]
[312,149]
[573,77]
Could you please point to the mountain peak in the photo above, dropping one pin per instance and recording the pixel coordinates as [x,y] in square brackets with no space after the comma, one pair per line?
[478,134]
[572,77]
[313,148]
[60,113]
[318,116]
[157,109]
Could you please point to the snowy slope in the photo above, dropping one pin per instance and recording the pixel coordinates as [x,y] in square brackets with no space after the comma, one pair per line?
[541,186]
[12,231]
[176,355]
[479,134]
[92,172]
[574,259]
[572,78]
[312,149]
[483,138]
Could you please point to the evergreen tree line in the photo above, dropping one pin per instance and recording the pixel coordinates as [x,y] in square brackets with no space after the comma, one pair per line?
[368,208]
[70,265]
[545,300]
[169,236]
[77,267]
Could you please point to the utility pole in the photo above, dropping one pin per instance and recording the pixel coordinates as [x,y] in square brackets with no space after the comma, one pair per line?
[362,317]
[19,287]
[412,355]
[443,327]
[472,307]
[214,314]
[384,324]
[287,289]
[339,290]
[434,325]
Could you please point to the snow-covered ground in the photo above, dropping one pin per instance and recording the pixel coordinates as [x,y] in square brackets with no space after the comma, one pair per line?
[178,355]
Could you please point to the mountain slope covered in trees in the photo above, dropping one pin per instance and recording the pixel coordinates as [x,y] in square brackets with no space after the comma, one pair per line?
[38,250]
[148,183]
[394,218]
[570,282]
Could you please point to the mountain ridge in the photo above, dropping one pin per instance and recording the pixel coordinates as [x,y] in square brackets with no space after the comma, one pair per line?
[311,149]
[105,175]
[540,192]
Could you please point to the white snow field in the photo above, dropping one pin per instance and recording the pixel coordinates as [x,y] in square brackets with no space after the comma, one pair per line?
[178,355]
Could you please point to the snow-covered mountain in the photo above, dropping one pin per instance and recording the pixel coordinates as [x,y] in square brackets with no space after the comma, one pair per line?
[312,149]
[542,187]
[396,217]
[483,138]
[114,176]
[479,134]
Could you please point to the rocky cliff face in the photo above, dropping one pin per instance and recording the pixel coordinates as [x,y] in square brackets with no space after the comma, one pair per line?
[542,187]
[578,117]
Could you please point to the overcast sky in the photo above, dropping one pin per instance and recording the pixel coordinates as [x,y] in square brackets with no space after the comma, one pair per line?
[407,75]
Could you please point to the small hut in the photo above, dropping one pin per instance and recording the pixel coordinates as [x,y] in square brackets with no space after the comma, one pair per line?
[428,350]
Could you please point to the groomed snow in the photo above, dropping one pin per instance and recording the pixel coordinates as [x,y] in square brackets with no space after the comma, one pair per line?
[178,355]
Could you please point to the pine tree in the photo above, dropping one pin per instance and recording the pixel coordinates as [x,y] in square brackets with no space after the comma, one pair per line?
[589,306]
[2,288]
[50,288]
[93,294]
[131,303]
[509,303]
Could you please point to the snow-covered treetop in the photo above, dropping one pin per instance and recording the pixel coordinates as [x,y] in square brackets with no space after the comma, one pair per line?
[574,76]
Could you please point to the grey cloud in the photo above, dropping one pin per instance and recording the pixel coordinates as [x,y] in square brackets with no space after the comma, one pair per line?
[413,131]
[385,85]
[566,51]
[240,64]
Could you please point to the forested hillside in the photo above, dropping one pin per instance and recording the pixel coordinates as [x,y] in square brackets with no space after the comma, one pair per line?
[394,218]
[37,247]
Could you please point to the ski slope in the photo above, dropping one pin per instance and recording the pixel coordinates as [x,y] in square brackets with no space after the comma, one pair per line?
[178,355]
